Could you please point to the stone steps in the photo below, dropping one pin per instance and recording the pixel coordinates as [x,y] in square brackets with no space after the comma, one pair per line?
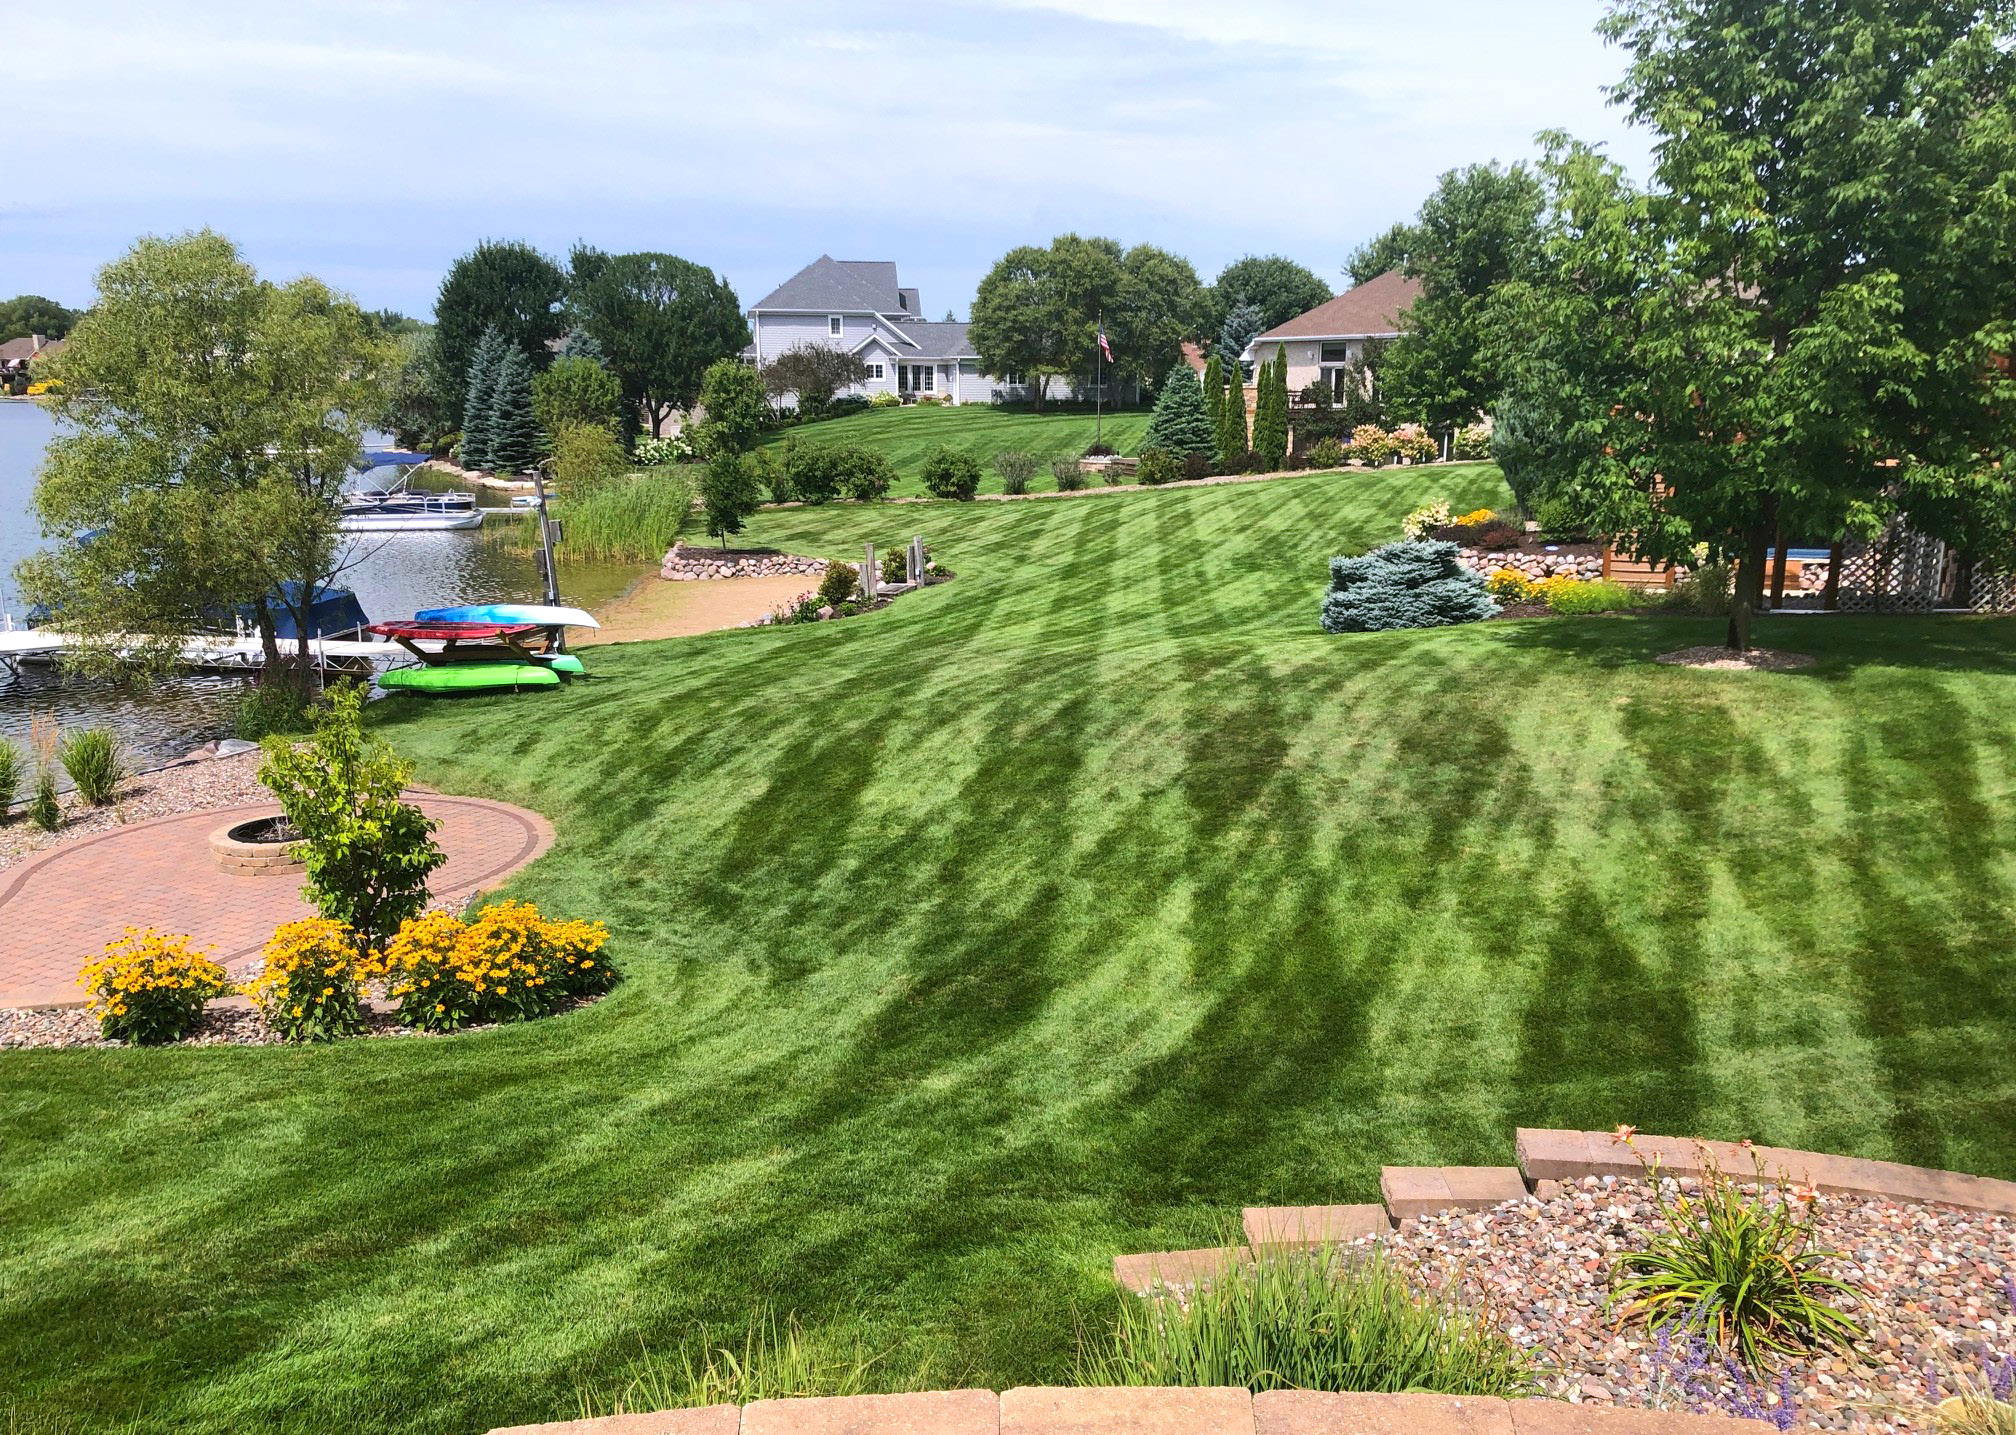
[1412,1191]
[1143,1273]
[1307,1227]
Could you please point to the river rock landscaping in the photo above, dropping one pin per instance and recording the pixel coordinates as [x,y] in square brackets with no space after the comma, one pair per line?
[203,781]
[1937,1289]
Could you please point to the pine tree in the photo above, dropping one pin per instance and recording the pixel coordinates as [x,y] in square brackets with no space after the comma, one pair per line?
[1214,396]
[580,344]
[1181,424]
[1270,415]
[477,396]
[1232,440]
[514,426]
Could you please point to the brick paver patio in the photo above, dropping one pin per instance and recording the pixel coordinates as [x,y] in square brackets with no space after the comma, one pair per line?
[59,909]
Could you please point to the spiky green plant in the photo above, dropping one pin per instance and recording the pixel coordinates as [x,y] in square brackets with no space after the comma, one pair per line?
[11,766]
[95,764]
[773,1360]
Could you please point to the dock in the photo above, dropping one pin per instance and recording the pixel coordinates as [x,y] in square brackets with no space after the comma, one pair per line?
[218,653]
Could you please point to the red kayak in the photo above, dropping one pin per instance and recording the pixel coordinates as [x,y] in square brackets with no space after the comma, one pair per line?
[455,632]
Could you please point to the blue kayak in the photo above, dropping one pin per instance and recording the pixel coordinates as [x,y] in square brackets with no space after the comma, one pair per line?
[545,615]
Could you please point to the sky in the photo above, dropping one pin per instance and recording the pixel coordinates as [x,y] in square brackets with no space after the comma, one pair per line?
[371,143]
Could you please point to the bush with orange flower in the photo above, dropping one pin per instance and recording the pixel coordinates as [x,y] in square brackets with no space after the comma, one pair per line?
[150,986]
[507,964]
[310,988]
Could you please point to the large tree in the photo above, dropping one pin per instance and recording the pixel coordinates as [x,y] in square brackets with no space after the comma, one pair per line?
[503,283]
[734,407]
[1157,303]
[1480,229]
[575,392]
[1277,287]
[1019,323]
[207,423]
[414,411]
[1797,328]
[27,314]
[1381,253]
[661,320]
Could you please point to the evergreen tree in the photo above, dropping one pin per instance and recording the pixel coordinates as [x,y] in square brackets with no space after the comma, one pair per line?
[1270,414]
[1181,424]
[1214,396]
[478,393]
[1232,440]
[514,425]
[1241,324]
[580,344]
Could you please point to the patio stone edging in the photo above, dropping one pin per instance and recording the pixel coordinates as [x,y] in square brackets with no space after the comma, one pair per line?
[1143,1410]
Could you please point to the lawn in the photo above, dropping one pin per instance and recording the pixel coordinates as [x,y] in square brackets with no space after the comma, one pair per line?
[907,436]
[1053,913]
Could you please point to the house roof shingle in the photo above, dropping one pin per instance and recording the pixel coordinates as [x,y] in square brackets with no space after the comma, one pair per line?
[940,340]
[15,350]
[1370,309]
[839,286]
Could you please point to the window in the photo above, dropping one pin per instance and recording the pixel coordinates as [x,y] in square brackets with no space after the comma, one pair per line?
[874,371]
[928,375]
[1011,378]
[1336,353]
[915,378]
[833,325]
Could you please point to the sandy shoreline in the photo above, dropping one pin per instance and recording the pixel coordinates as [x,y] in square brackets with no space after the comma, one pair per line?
[654,608]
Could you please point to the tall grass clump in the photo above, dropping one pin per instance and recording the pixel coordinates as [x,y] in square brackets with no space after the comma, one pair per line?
[95,764]
[1311,1321]
[632,519]
[12,765]
[770,1360]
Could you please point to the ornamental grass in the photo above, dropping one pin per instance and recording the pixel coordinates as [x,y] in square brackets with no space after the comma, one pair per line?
[509,964]
[149,987]
[310,988]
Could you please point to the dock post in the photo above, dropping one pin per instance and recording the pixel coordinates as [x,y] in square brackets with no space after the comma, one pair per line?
[868,574]
[916,559]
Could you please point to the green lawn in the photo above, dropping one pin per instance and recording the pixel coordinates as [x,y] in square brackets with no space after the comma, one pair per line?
[907,436]
[1053,913]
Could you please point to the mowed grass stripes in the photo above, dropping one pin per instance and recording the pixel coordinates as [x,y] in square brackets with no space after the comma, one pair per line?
[1055,912]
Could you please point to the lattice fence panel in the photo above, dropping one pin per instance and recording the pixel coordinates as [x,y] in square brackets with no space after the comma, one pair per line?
[1898,572]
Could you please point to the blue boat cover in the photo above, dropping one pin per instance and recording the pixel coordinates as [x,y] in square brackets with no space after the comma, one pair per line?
[386,457]
[335,610]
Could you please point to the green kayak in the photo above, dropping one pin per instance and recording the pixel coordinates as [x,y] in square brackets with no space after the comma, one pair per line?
[468,678]
[562,663]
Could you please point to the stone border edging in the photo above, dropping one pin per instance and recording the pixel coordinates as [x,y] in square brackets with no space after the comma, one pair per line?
[1547,1155]
[1142,1410]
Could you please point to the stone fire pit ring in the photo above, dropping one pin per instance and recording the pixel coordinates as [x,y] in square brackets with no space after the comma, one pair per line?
[257,847]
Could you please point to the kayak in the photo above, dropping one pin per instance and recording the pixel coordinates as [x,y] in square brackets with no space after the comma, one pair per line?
[469,678]
[545,615]
[565,664]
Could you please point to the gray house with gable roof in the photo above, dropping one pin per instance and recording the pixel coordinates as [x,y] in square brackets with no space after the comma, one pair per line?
[857,305]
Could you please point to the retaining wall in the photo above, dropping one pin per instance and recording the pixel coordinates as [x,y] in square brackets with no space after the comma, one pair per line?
[688,564]
[1145,1410]
[1584,567]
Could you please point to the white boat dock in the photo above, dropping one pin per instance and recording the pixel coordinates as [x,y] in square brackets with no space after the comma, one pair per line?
[221,652]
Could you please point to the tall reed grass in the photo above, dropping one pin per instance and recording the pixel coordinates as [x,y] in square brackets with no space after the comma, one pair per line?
[1321,1320]
[770,1360]
[632,519]
[96,764]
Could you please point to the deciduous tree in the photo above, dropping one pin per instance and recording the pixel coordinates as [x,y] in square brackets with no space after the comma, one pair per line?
[731,398]
[502,283]
[1276,286]
[1381,253]
[27,314]
[814,373]
[660,319]
[729,493]
[575,392]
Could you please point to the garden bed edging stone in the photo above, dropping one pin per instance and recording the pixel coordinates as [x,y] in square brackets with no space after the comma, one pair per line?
[684,564]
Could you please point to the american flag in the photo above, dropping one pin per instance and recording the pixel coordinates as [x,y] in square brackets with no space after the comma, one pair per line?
[1104,347]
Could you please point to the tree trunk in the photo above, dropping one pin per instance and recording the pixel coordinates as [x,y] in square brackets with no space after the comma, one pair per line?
[270,661]
[1830,597]
[1778,568]
[1749,587]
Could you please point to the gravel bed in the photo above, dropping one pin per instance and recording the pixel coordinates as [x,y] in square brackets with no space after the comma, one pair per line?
[193,785]
[1937,1287]
[225,1023]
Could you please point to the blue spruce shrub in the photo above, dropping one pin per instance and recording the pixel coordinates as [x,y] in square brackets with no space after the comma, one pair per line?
[1403,585]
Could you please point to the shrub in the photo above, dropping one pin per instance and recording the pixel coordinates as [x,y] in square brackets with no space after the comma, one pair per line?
[575,392]
[95,764]
[11,766]
[1403,585]
[1412,443]
[509,964]
[847,404]
[1473,441]
[308,987]
[1197,465]
[672,448]
[885,400]
[1425,519]
[1158,465]
[895,566]
[1317,1320]
[1740,1268]
[149,987]
[1371,444]
[1016,469]
[585,458]
[951,474]
[839,583]
[820,472]
[43,808]
[1705,590]
[1569,597]
[1100,450]
[865,474]
[1509,585]
[267,708]
[368,854]
[1326,453]
[1064,469]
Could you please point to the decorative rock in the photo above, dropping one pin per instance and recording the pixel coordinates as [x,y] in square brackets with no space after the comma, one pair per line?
[685,564]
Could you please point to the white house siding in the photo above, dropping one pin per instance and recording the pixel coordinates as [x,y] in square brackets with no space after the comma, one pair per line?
[1306,364]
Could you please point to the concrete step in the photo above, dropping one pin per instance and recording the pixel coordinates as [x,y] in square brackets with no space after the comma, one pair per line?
[1307,1227]
[1143,1273]
[1412,1191]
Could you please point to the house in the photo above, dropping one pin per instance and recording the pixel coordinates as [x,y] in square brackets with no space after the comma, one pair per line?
[858,305]
[17,354]
[1321,342]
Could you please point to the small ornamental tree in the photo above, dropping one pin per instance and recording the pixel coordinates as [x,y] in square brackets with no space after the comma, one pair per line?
[731,394]
[729,493]
[515,440]
[1180,424]
[575,392]
[1232,439]
[478,395]
[1403,585]
[368,854]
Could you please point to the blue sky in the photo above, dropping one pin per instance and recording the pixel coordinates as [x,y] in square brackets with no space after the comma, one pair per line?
[371,143]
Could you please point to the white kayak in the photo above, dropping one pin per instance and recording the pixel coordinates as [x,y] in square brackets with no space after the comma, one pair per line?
[545,615]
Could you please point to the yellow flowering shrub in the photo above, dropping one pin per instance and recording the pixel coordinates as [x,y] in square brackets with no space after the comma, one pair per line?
[150,986]
[1474,517]
[1511,586]
[508,964]
[310,986]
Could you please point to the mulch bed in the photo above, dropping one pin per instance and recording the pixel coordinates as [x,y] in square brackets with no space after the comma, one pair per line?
[1754,660]
[193,785]
[1937,1285]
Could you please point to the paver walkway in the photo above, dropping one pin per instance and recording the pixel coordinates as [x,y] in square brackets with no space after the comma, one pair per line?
[59,909]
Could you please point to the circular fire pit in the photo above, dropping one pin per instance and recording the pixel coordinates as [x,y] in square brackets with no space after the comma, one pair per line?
[259,847]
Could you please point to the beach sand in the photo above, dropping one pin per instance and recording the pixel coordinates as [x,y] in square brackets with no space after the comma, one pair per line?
[656,608]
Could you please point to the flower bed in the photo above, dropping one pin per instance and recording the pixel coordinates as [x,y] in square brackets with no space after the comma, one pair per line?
[1937,1288]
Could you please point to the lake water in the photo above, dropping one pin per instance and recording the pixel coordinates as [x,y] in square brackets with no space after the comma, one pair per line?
[395,575]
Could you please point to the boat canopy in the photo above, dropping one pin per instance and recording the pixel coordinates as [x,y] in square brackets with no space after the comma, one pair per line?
[387,457]
[332,611]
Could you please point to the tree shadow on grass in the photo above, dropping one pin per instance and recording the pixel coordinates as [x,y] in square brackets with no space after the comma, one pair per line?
[1839,644]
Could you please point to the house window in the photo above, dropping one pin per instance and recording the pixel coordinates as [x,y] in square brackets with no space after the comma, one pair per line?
[929,375]
[874,371]
[1336,353]
[1011,378]
[916,378]
[833,325]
